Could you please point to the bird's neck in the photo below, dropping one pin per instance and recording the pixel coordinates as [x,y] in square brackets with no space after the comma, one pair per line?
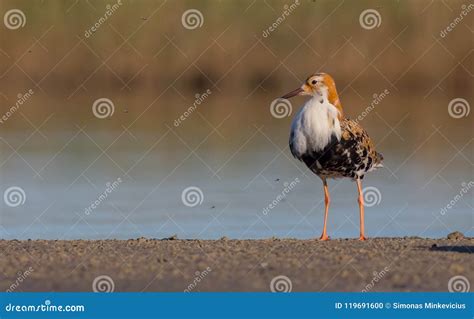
[333,98]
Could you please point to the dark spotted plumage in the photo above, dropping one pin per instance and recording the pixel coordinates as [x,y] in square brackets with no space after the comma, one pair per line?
[351,156]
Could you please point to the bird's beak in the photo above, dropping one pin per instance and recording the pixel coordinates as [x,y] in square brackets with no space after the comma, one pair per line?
[298,91]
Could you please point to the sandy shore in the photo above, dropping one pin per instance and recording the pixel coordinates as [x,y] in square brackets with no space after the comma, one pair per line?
[383,264]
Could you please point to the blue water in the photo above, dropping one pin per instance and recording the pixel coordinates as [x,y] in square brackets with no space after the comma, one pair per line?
[237,183]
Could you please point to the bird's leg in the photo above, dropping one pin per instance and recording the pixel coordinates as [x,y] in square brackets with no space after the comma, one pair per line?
[361,209]
[324,236]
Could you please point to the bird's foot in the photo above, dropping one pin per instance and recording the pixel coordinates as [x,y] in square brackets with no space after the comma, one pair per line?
[324,237]
[362,237]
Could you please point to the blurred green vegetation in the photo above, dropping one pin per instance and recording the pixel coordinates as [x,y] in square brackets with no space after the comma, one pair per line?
[143,52]
[242,23]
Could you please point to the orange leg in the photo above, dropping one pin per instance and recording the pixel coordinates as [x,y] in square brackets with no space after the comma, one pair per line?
[324,236]
[361,209]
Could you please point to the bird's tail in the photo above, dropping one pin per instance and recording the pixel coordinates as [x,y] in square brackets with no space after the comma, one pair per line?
[378,160]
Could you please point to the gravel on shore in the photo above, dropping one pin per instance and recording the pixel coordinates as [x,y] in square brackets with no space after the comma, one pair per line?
[381,264]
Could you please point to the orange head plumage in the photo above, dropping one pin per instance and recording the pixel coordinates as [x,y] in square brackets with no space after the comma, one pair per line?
[319,85]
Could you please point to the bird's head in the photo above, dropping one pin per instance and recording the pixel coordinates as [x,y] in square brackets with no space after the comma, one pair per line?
[319,85]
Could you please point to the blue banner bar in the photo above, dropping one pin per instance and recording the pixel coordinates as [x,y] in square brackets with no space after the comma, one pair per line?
[237,305]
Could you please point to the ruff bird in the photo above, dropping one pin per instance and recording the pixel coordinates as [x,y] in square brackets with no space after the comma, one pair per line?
[331,145]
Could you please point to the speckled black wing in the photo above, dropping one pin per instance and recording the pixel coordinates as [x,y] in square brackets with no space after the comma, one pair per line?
[351,156]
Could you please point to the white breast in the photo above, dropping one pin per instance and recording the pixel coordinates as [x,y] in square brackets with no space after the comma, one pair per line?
[313,126]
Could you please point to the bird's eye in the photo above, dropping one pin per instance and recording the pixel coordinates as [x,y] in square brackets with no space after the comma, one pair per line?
[314,82]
